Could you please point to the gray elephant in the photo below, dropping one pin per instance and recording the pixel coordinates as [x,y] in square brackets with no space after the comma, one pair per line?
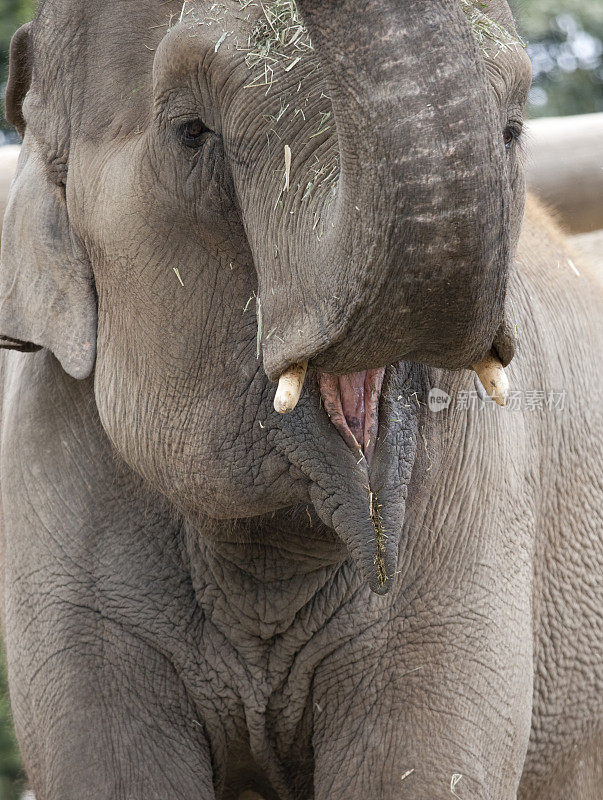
[394,589]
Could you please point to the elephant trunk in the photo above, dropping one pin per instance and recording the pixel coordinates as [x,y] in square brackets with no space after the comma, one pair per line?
[414,257]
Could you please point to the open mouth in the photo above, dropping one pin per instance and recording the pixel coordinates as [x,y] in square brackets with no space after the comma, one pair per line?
[352,403]
[352,400]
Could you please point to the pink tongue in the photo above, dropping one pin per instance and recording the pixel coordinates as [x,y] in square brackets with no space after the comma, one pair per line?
[352,403]
[351,391]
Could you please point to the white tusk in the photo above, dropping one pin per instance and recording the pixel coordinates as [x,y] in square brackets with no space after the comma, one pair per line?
[290,386]
[493,378]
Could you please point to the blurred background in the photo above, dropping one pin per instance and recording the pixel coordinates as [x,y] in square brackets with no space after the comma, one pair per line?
[565,43]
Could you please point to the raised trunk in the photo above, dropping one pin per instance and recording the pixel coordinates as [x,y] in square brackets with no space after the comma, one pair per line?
[413,261]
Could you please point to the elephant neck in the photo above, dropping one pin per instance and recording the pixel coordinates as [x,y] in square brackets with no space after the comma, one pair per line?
[259,576]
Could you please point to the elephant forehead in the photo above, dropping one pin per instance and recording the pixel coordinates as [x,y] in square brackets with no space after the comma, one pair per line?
[210,55]
[198,34]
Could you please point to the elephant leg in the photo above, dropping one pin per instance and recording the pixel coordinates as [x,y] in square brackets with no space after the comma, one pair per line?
[367,755]
[388,753]
[103,716]
[419,714]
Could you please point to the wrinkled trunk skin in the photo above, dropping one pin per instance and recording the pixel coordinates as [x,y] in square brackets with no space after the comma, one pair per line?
[413,261]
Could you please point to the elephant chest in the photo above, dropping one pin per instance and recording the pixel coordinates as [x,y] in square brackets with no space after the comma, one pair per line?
[256,696]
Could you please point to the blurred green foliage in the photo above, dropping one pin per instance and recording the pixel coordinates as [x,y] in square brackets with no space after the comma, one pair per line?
[565,44]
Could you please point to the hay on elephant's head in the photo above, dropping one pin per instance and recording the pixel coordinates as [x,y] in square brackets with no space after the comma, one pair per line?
[487,31]
[279,37]
[280,43]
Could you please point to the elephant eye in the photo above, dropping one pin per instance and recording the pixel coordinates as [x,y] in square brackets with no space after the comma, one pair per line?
[192,133]
[510,134]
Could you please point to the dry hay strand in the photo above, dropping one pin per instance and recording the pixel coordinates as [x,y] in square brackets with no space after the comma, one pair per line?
[279,37]
[380,538]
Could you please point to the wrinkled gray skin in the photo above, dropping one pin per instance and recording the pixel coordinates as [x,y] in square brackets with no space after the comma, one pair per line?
[183,617]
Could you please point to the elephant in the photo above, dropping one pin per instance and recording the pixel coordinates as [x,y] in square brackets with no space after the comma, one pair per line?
[391,588]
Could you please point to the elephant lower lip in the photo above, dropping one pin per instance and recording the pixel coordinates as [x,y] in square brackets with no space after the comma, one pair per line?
[352,403]
[364,504]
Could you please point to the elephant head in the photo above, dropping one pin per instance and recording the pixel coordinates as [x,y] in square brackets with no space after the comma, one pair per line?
[210,193]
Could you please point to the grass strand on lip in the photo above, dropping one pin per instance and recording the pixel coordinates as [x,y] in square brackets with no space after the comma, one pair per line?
[380,538]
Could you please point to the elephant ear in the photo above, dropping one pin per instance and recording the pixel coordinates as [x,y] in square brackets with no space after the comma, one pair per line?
[19,77]
[47,294]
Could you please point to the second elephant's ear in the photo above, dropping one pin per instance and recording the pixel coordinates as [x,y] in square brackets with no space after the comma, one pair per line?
[47,294]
